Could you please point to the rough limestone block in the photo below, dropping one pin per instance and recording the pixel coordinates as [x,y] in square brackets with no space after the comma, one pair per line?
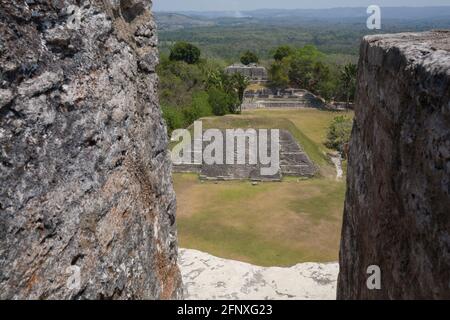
[397,209]
[84,170]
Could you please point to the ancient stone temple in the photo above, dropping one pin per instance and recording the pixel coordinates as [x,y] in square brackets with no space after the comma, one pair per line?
[293,161]
[252,71]
[397,208]
[281,98]
[87,208]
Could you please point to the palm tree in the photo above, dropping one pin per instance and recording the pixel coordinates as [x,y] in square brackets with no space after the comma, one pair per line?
[348,79]
[241,83]
[215,79]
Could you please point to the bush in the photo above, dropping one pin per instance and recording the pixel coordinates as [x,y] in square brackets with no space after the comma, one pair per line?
[339,133]
[200,107]
[174,118]
[184,51]
[221,102]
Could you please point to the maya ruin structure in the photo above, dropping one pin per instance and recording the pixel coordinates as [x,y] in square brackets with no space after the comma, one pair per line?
[293,162]
[281,98]
[252,71]
[272,98]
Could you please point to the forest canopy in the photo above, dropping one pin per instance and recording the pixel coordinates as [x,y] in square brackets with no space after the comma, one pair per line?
[189,91]
[192,87]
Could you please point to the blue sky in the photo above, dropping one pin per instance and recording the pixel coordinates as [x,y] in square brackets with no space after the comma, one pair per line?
[237,5]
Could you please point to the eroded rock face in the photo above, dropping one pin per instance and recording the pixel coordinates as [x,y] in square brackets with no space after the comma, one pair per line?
[84,170]
[397,210]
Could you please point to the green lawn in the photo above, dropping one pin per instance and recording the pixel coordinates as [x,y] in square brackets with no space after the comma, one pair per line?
[273,223]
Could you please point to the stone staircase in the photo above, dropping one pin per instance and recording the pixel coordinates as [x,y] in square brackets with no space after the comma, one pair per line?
[290,98]
[293,162]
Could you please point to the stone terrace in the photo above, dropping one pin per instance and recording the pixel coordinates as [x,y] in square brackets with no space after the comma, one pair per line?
[281,98]
[293,162]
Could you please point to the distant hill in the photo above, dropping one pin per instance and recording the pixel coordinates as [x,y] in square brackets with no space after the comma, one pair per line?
[175,21]
[409,13]
[338,31]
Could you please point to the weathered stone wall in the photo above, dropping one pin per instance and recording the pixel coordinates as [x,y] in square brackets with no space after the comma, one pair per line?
[397,209]
[84,170]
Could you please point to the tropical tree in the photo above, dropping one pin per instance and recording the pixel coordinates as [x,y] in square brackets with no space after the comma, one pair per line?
[226,91]
[302,65]
[348,81]
[278,74]
[199,108]
[221,102]
[184,51]
[249,57]
[282,52]
[320,74]
[339,133]
[240,83]
[215,78]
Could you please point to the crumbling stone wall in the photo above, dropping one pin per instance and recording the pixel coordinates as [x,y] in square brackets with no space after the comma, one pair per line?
[397,209]
[84,169]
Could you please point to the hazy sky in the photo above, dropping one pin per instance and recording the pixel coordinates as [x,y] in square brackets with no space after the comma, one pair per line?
[236,5]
